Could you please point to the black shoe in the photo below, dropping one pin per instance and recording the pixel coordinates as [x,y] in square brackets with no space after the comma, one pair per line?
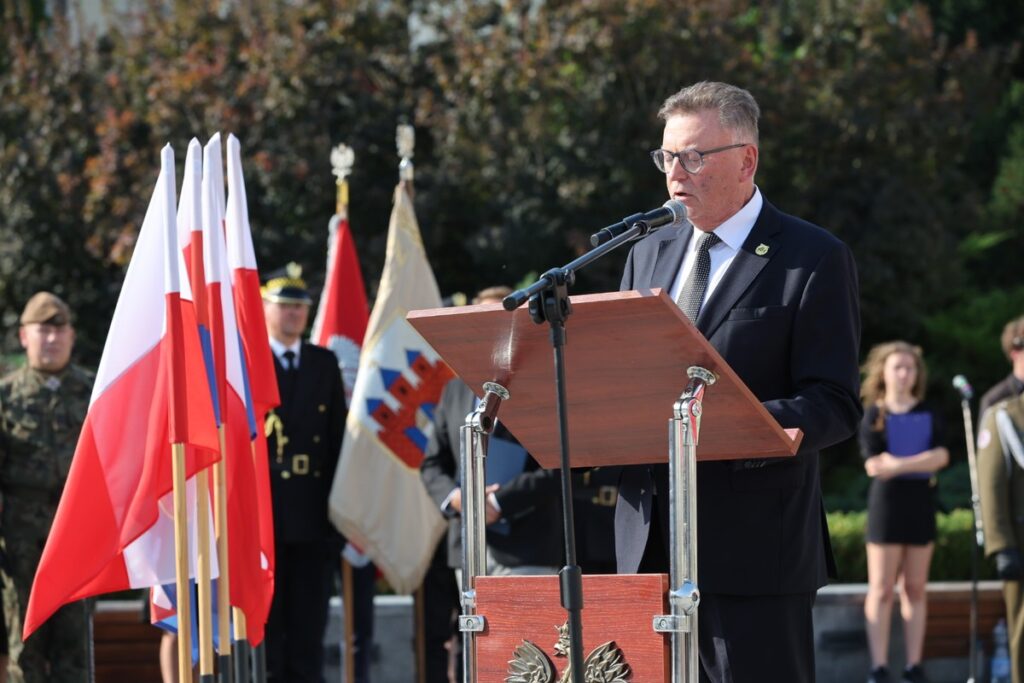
[914,674]
[879,674]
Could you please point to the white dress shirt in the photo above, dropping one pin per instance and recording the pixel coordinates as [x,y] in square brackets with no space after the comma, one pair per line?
[279,350]
[733,233]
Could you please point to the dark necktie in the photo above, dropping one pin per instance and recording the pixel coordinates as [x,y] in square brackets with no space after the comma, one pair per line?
[288,378]
[691,296]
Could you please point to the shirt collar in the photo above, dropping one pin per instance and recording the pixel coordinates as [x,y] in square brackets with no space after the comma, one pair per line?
[735,230]
[279,349]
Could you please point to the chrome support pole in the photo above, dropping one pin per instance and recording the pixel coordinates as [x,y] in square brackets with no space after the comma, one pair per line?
[473,451]
[684,596]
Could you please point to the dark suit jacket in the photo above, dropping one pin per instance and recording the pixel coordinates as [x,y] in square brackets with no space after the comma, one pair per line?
[312,418]
[530,503]
[1008,388]
[788,323]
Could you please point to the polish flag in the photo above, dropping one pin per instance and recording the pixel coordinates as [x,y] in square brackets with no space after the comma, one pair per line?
[259,360]
[246,280]
[114,525]
[163,602]
[246,567]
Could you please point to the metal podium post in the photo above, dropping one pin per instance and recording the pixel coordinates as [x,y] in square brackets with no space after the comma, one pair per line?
[473,451]
[684,596]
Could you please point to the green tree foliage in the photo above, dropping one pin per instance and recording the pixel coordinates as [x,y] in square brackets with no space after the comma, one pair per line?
[894,124]
[81,125]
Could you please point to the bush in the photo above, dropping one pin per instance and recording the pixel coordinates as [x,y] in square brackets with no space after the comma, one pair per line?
[951,562]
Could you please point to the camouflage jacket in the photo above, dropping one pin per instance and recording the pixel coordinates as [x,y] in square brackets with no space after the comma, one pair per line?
[41,416]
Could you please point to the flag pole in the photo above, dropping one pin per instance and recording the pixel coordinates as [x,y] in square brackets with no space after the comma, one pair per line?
[203,580]
[241,651]
[342,160]
[405,139]
[181,565]
[223,582]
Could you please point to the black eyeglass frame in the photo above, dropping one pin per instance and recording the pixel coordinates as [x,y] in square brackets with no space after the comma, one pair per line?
[658,157]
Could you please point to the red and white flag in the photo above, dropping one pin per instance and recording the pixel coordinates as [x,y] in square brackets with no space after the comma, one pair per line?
[377,499]
[113,529]
[258,365]
[343,313]
[245,568]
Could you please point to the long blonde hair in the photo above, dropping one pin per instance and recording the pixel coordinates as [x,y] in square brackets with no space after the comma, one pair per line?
[872,388]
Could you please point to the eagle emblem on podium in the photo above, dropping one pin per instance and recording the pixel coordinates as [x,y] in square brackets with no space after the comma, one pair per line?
[530,664]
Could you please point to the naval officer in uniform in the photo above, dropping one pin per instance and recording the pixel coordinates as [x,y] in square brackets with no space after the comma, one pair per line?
[304,438]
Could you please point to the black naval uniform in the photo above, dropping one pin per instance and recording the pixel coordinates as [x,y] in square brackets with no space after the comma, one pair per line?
[304,440]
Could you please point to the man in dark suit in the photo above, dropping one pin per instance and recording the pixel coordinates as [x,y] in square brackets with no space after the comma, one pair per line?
[778,298]
[1012,386]
[524,534]
[303,442]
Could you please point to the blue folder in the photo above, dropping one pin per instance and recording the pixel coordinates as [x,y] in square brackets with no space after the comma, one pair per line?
[909,434]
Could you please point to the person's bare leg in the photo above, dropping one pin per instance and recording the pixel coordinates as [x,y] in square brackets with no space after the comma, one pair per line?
[169,657]
[914,599]
[883,567]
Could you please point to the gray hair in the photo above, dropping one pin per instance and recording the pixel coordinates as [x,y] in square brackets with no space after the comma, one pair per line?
[737,108]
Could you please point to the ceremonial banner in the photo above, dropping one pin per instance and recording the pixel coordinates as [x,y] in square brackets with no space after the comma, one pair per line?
[377,499]
[113,529]
[342,315]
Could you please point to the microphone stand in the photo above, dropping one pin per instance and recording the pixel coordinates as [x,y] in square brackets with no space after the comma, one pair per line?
[549,302]
[979,535]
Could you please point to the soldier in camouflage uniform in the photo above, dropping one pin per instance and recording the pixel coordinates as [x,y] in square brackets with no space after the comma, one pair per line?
[1001,489]
[42,407]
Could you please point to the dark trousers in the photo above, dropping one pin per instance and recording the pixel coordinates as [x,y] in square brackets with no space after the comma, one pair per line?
[440,607]
[364,587]
[746,638]
[298,612]
[756,639]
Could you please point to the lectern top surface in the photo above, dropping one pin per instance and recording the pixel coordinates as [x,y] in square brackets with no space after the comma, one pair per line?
[626,359]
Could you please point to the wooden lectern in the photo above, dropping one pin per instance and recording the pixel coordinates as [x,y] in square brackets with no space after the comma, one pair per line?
[629,358]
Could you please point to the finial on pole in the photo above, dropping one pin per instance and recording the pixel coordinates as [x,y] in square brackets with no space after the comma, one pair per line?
[405,137]
[342,160]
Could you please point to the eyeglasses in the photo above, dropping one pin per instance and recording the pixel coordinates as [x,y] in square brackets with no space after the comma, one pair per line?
[691,159]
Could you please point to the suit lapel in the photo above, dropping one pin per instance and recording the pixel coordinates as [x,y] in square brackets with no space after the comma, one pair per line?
[743,270]
[670,258]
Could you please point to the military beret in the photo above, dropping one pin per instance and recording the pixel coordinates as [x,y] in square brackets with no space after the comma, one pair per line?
[286,286]
[45,307]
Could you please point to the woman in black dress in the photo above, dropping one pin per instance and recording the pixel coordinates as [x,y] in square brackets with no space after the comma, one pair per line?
[902,443]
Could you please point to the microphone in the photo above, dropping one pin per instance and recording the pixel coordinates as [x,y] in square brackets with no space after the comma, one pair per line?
[672,212]
[961,384]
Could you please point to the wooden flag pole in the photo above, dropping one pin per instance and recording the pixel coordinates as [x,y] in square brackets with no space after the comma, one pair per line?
[243,672]
[203,581]
[223,582]
[181,565]
[342,160]
[348,603]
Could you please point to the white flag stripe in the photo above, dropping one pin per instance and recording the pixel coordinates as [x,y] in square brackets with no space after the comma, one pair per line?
[241,253]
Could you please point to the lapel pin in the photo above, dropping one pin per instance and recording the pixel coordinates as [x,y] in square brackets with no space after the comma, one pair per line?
[761,249]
